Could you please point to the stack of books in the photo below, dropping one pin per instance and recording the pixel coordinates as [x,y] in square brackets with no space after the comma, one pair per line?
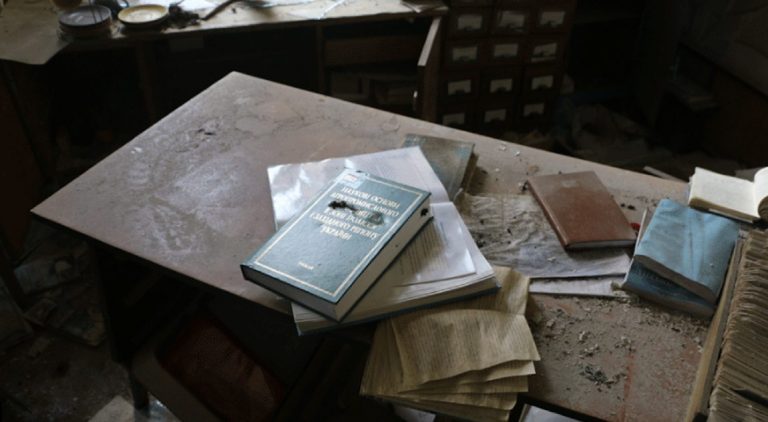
[468,360]
[365,237]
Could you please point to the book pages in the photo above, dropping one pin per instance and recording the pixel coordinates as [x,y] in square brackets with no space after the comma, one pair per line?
[723,194]
[443,345]
[504,370]
[740,389]
[761,193]
[502,385]
[467,359]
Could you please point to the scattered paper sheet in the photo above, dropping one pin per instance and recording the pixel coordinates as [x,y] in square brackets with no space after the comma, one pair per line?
[598,286]
[512,230]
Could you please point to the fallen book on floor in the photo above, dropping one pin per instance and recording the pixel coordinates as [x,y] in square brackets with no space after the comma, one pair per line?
[729,195]
[581,211]
[441,264]
[688,247]
[333,251]
[453,161]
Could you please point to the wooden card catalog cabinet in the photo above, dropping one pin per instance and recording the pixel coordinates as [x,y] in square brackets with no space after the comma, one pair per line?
[506,51]
[468,23]
[511,21]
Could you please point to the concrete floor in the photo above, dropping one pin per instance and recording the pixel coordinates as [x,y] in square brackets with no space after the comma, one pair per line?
[65,382]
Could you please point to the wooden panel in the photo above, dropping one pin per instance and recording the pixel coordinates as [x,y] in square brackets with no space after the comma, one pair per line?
[429,69]
[20,178]
[350,51]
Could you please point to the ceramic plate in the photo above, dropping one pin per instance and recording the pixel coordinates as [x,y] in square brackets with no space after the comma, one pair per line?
[145,14]
[85,16]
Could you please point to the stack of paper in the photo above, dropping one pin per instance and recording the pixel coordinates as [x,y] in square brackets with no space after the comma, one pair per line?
[468,359]
[740,390]
[441,264]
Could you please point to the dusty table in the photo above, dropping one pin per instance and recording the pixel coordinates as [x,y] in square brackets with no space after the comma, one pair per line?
[191,195]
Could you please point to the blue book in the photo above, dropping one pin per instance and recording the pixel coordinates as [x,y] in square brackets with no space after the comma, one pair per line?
[329,254]
[651,286]
[688,247]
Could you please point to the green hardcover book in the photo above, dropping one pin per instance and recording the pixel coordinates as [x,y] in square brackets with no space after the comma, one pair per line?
[328,256]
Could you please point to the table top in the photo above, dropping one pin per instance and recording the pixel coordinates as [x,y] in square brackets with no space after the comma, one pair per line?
[191,195]
[32,25]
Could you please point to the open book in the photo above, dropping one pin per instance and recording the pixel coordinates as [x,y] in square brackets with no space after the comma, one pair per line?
[730,196]
[441,264]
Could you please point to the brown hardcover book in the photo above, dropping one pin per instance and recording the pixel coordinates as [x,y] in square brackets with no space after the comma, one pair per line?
[582,211]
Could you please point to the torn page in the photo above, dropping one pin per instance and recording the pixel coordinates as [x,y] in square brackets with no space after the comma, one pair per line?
[512,230]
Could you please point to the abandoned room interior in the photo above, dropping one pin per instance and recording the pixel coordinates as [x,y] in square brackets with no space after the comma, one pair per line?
[383,210]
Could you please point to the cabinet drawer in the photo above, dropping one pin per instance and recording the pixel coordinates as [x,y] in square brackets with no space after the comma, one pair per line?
[545,50]
[501,83]
[472,22]
[535,110]
[511,20]
[459,86]
[554,18]
[507,51]
[497,115]
[465,53]
[362,50]
[542,80]
[459,116]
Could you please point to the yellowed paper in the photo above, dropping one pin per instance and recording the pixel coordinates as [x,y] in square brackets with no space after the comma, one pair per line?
[504,370]
[439,359]
[445,344]
[503,385]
